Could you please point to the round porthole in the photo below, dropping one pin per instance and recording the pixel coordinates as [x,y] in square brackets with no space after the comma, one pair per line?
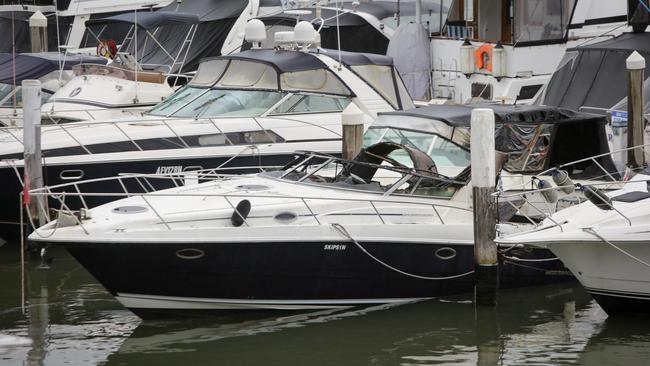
[129,209]
[285,217]
[446,253]
[190,253]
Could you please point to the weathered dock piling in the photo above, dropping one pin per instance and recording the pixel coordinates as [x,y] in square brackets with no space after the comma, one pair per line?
[33,173]
[635,65]
[483,159]
[352,139]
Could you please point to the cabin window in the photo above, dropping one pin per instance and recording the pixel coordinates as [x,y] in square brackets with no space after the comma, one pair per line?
[382,79]
[301,103]
[246,74]
[528,91]
[541,20]
[320,81]
[209,72]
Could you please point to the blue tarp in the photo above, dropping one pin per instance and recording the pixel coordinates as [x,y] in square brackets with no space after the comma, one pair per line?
[37,65]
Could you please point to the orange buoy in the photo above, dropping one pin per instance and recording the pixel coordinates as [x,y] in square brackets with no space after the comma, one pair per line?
[483,57]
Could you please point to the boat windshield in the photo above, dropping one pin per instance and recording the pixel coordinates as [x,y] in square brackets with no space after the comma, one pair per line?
[450,158]
[198,102]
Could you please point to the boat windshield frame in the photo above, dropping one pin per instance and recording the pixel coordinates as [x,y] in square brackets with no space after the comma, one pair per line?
[305,159]
[283,98]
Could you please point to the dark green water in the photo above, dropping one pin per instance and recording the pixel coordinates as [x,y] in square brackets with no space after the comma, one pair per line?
[71,320]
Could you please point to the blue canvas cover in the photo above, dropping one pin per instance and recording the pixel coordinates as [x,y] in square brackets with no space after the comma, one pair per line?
[37,65]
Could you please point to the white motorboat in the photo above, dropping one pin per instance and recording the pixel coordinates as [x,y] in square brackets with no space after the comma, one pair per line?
[320,233]
[244,112]
[604,242]
[52,69]
[152,57]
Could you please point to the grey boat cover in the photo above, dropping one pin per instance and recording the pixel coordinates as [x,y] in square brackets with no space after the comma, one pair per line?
[595,75]
[37,65]
[409,48]
[147,19]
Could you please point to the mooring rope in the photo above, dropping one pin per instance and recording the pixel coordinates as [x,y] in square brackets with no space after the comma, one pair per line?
[345,233]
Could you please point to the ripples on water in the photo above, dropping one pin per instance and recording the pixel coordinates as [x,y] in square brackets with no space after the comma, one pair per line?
[71,320]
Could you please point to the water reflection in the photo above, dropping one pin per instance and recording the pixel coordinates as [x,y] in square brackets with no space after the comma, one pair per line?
[72,320]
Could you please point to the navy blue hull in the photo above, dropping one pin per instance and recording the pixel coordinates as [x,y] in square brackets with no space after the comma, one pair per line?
[621,304]
[9,195]
[293,271]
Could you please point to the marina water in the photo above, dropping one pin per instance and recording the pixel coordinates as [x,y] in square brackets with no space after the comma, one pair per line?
[72,320]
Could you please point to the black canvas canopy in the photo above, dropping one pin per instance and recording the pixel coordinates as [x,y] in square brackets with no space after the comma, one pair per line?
[533,137]
[460,115]
[147,20]
[37,65]
[281,60]
[594,76]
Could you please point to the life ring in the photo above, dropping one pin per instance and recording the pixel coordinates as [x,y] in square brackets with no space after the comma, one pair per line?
[107,48]
[483,57]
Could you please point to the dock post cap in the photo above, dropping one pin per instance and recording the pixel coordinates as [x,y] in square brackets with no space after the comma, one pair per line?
[635,61]
[352,115]
[31,83]
[38,20]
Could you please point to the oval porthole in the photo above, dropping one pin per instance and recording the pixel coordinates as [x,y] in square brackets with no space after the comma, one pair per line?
[71,174]
[190,253]
[446,253]
[285,217]
[252,187]
[129,209]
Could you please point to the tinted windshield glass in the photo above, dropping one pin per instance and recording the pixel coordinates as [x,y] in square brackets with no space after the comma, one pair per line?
[450,158]
[230,103]
[176,100]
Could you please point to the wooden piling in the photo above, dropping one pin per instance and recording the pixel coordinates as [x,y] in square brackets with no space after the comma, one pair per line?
[33,172]
[483,179]
[38,32]
[635,65]
[352,120]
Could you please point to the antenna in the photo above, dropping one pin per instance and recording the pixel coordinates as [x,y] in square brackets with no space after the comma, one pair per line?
[13,57]
[135,39]
[338,34]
